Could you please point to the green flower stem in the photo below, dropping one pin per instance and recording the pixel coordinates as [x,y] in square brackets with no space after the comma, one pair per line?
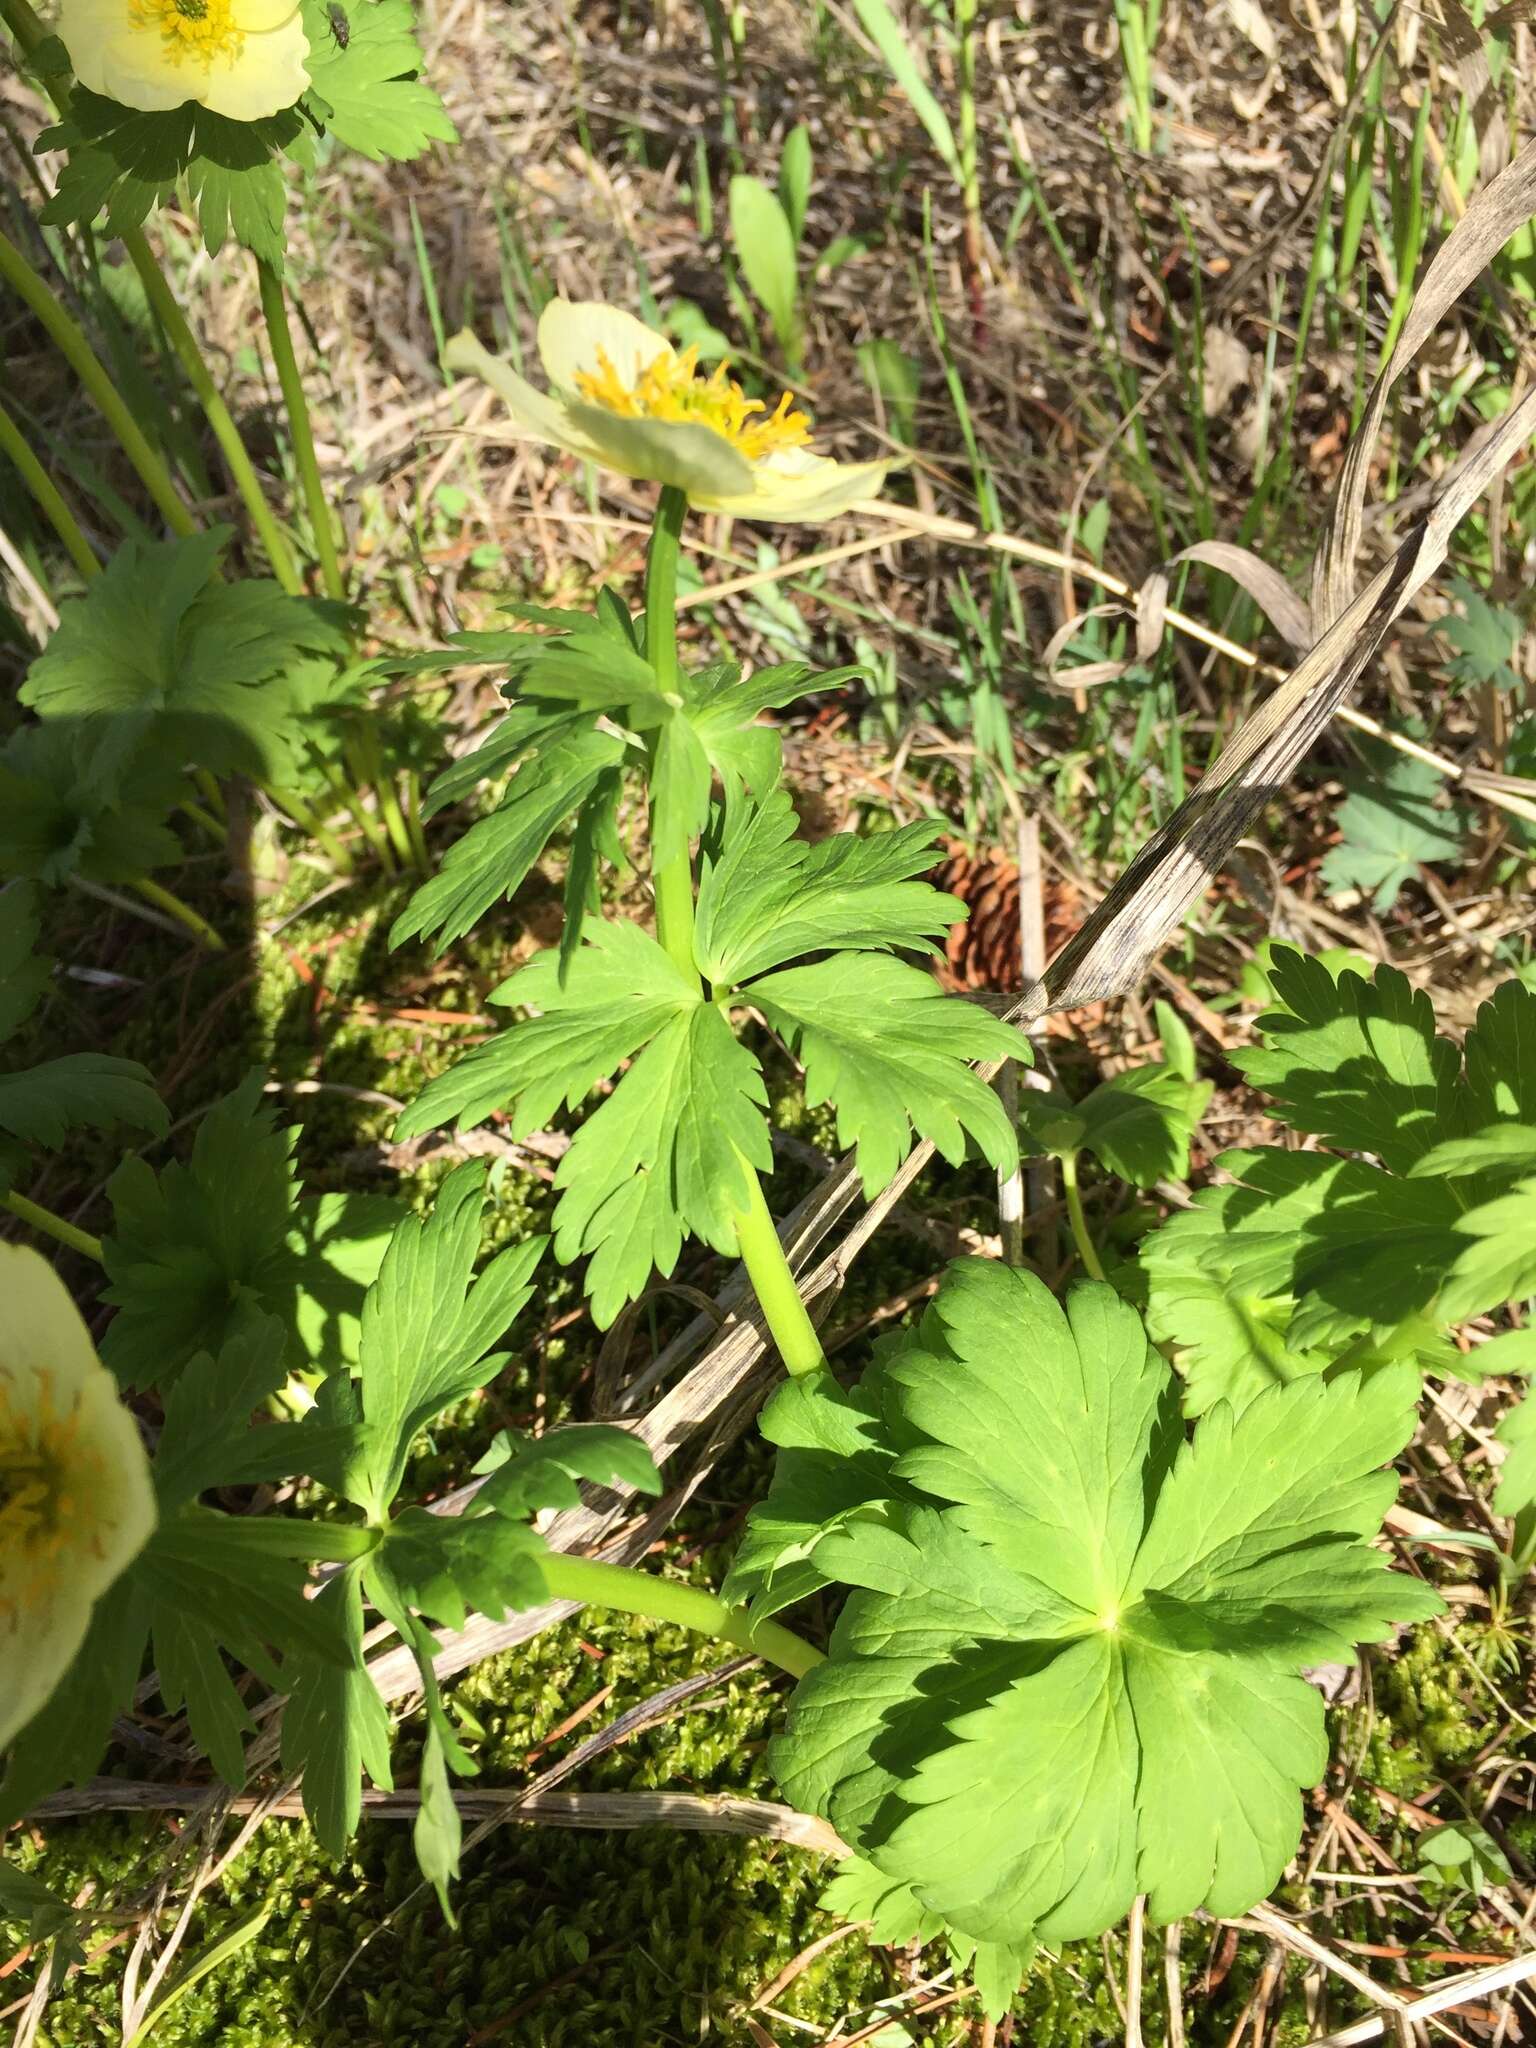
[36,294]
[213,796]
[172,905]
[275,312]
[673,883]
[636,1592]
[369,757]
[205,821]
[308,822]
[367,823]
[177,331]
[413,824]
[18,453]
[774,1285]
[39,1218]
[1085,1245]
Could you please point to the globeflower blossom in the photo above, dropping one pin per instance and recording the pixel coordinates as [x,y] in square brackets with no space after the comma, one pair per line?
[623,397]
[77,1503]
[240,58]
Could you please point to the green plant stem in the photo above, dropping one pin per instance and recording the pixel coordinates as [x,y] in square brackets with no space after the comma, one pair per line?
[172,905]
[213,796]
[413,824]
[178,332]
[39,1218]
[15,448]
[274,309]
[36,294]
[774,1285]
[368,757]
[308,822]
[367,823]
[1085,1245]
[672,882]
[205,821]
[632,1591]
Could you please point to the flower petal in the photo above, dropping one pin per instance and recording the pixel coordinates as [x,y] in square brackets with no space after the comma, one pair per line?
[123,63]
[36,1658]
[44,1333]
[535,415]
[265,74]
[799,489]
[681,452]
[261,17]
[49,1369]
[572,332]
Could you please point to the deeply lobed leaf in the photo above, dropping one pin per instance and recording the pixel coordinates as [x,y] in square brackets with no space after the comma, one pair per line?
[1073,1675]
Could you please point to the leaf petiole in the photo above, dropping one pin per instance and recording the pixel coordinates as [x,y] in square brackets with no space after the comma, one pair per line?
[38,296]
[1086,1250]
[168,901]
[631,1591]
[178,333]
[274,311]
[39,1218]
[773,1283]
[673,881]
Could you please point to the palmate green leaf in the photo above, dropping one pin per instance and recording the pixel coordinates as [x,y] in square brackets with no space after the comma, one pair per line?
[1357,1062]
[194,659]
[881,1042]
[680,784]
[212,1587]
[1516,1490]
[1501,1058]
[666,1154]
[1391,825]
[770,897]
[1366,1244]
[125,163]
[65,1743]
[1499,1265]
[442,1566]
[724,706]
[1485,636]
[336,1727]
[833,1461]
[1137,1124]
[1228,1318]
[25,1901]
[897,1917]
[530,1473]
[429,1325]
[1075,1677]
[437,1833]
[24,974]
[79,1091]
[200,1250]
[494,856]
[621,989]
[207,1438]
[369,93]
[528,728]
[87,798]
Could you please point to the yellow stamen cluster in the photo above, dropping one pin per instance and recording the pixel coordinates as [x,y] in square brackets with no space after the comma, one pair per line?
[47,1480]
[670,388]
[199,29]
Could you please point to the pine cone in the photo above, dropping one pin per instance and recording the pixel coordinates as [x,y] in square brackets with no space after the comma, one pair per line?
[983,952]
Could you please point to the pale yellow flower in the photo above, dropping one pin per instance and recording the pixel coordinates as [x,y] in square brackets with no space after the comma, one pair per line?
[240,58]
[621,396]
[76,1501]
